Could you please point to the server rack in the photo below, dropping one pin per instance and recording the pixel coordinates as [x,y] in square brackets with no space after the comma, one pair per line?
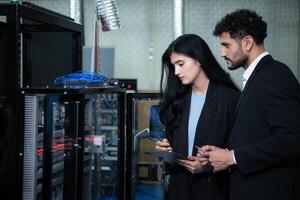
[71,150]
[23,63]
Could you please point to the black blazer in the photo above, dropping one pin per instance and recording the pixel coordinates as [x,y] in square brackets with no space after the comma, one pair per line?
[213,127]
[266,135]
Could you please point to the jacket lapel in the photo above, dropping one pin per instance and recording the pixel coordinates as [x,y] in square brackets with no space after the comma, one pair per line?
[202,136]
[250,81]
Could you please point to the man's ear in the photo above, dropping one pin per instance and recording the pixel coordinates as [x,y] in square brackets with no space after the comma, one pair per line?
[248,43]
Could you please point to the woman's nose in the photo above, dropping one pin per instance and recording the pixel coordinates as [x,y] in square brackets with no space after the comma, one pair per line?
[176,70]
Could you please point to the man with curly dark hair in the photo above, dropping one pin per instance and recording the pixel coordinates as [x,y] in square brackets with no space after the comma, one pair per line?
[264,144]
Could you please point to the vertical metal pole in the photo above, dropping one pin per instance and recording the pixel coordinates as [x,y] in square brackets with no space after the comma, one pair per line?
[76,10]
[178,18]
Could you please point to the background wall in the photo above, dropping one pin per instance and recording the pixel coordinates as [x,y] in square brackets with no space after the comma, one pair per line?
[282,19]
[147,30]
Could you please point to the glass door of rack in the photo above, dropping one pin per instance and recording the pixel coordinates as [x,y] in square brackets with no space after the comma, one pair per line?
[143,129]
[74,144]
[101,160]
[50,148]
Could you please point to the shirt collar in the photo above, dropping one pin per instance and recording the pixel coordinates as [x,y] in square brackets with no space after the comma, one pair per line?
[252,66]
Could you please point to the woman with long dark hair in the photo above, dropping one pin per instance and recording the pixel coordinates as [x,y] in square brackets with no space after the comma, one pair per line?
[197,107]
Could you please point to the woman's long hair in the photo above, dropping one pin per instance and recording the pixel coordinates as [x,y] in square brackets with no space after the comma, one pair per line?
[174,93]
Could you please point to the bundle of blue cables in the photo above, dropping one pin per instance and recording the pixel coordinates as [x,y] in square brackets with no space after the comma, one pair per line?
[81,80]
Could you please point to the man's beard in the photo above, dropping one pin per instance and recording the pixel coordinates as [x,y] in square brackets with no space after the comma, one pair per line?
[241,62]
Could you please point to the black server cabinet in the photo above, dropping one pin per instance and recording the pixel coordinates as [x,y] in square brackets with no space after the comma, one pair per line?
[36,45]
[145,175]
[74,144]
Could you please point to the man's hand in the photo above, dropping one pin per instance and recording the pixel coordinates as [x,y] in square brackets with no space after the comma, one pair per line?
[218,158]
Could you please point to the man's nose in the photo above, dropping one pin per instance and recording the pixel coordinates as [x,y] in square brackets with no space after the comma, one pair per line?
[223,52]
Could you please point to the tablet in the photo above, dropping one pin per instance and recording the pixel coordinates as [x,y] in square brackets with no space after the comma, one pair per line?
[166,156]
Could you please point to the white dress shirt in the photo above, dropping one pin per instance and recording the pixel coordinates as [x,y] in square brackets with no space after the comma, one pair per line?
[251,68]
